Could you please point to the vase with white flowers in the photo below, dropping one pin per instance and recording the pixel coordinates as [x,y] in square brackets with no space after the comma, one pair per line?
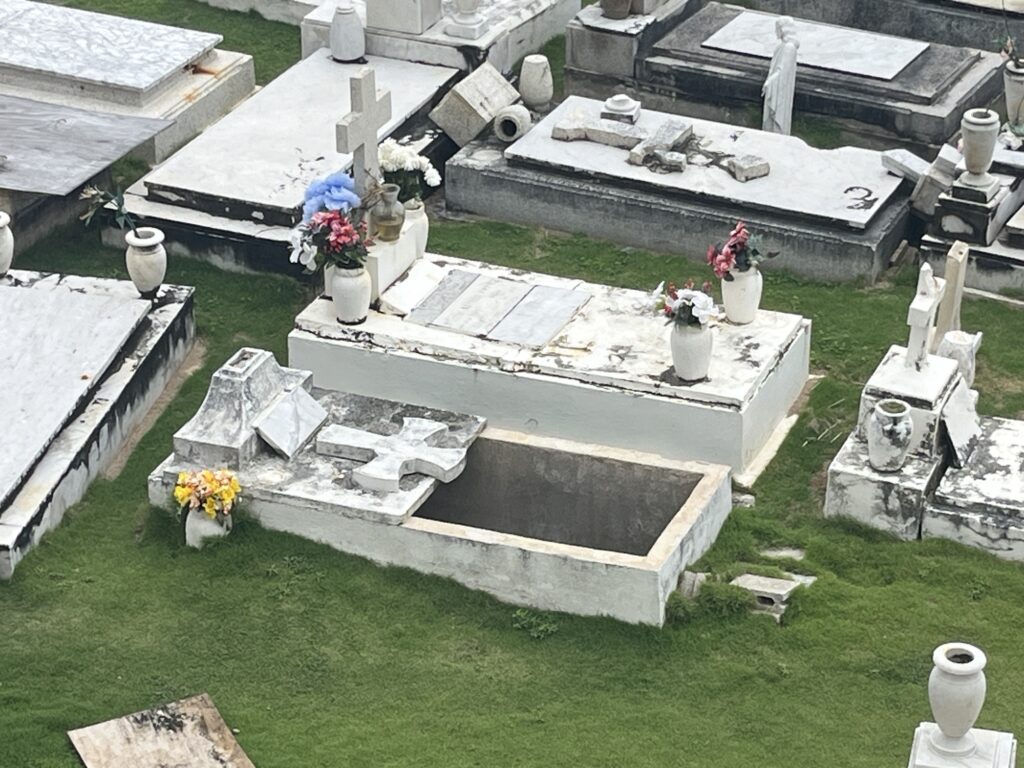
[735,264]
[411,173]
[689,312]
[333,233]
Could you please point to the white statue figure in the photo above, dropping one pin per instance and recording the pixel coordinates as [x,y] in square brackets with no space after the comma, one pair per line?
[780,86]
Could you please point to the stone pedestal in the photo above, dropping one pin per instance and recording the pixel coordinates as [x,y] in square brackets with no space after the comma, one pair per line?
[994,749]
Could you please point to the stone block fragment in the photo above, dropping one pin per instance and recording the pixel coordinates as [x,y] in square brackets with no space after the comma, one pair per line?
[748,167]
[471,106]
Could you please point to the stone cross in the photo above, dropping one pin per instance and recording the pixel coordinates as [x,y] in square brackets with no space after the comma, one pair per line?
[357,132]
[390,457]
[949,310]
[921,316]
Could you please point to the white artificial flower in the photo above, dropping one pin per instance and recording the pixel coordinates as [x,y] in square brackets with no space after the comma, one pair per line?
[302,251]
[432,177]
[703,306]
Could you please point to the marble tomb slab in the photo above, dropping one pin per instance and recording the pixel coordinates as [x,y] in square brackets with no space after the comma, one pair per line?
[992,479]
[66,50]
[821,45]
[58,345]
[53,150]
[255,164]
[846,186]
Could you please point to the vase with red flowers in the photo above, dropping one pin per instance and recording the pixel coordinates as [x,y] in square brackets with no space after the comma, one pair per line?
[735,264]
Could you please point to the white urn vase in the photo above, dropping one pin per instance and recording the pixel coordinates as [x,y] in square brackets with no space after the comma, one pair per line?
[1013,87]
[889,430]
[960,346]
[691,351]
[350,292]
[511,123]
[417,225]
[146,259]
[536,85]
[741,296]
[980,130]
[200,528]
[348,39]
[6,243]
[956,691]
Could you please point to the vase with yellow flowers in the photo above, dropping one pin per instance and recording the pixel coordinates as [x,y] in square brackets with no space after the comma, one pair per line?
[205,499]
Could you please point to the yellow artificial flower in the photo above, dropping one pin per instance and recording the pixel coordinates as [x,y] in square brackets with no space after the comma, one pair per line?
[235,485]
[181,495]
[210,507]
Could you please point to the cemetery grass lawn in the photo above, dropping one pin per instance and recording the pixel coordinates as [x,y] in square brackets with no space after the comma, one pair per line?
[322,659]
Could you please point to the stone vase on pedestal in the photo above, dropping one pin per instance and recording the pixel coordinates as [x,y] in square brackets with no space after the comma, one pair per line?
[536,84]
[419,225]
[388,216]
[741,296]
[980,129]
[350,292]
[6,243]
[616,9]
[467,22]
[956,691]
[691,346]
[146,259]
[200,528]
[1013,88]
[889,430]
[348,39]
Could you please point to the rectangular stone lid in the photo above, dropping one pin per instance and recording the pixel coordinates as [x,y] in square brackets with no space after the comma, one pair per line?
[57,345]
[52,149]
[992,481]
[263,155]
[72,46]
[847,186]
[821,45]
[615,340]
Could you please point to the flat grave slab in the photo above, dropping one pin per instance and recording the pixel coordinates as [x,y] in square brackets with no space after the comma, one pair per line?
[58,345]
[603,375]
[52,149]
[992,480]
[65,50]
[821,45]
[846,186]
[255,164]
[188,732]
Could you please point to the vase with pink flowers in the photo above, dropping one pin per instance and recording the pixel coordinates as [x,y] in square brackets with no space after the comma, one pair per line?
[735,264]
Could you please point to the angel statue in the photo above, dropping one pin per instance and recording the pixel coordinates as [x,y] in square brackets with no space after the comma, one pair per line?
[781,83]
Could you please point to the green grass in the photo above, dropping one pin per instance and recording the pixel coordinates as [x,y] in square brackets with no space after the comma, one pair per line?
[322,659]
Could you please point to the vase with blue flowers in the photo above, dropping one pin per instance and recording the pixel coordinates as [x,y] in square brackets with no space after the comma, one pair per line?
[333,235]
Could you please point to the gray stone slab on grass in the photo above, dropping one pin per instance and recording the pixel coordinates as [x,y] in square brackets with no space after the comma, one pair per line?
[389,458]
[482,306]
[846,186]
[821,45]
[539,317]
[52,149]
[291,422]
[188,732]
[63,49]
[57,346]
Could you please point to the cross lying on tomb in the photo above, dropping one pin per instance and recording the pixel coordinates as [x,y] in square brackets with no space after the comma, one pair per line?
[661,145]
[391,457]
[357,132]
[921,316]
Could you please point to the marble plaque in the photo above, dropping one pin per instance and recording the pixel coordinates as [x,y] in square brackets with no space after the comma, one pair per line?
[539,317]
[481,306]
[57,345]
[52,150]
[65,44]
[290,422]
[823,46]
[846,186]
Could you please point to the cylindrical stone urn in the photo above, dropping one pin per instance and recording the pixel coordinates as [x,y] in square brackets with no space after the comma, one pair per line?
[956,690]
[959,346]
[980,129]
[348,39]
[512,122]
[6,243]
[146,259]
[536,84]
[1013,88]
[889,430]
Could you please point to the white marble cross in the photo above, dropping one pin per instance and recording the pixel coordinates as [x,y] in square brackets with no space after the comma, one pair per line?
[357,132]
[390,457]
[921,316]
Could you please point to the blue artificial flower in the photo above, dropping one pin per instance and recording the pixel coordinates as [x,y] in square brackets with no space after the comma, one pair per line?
[334,193]
[340,199]
[341,179]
